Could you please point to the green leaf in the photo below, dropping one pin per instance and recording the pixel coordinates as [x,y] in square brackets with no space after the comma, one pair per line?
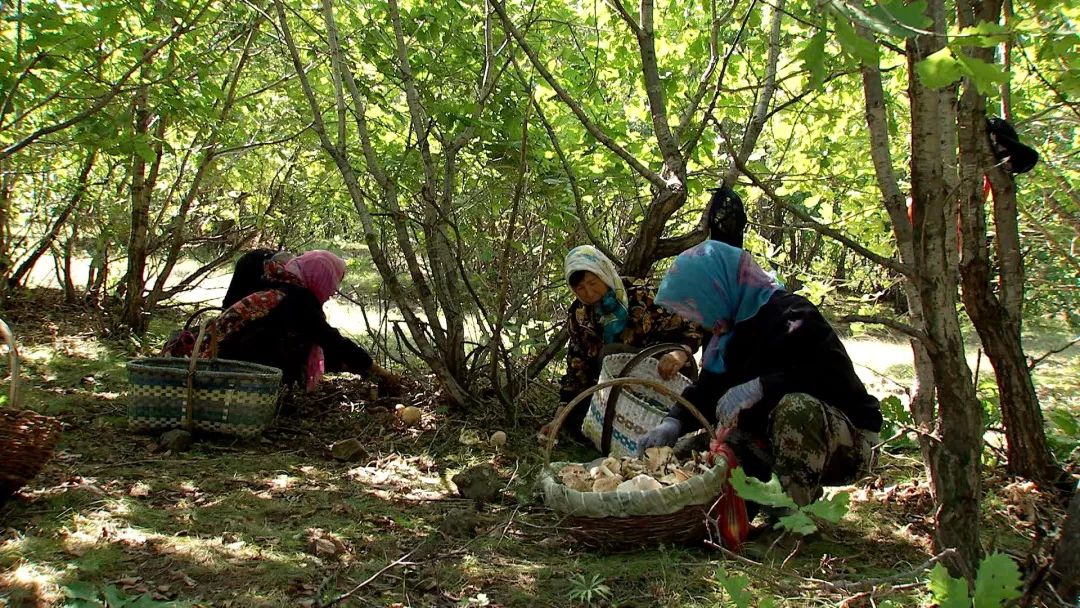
[736,588]
[81,591]
[997,581]
[770,494]
[939,69]
[115,598]
[813,58]
[948,592]
[909,17]
[986,76]
[985,34]
[831,510]
[855,45]
[798,522]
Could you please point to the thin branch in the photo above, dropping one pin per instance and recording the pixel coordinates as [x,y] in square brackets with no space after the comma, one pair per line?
[259,144]
[574,189]
[626,16]
[654,91]
[1037,360]
[394,564]
[650,175]
[899,326]
[706,76]
[700,128]
[104,100]
[761,109]
[889,263]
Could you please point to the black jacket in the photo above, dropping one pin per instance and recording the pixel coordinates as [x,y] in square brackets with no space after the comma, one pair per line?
[792,349]
[284,337]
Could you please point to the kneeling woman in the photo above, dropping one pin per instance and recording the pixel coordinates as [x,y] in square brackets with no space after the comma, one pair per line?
[283,324]
[610,315]
[775,373]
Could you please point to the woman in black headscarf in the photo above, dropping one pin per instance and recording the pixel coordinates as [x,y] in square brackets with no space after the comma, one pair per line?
[726,218]
[248,275]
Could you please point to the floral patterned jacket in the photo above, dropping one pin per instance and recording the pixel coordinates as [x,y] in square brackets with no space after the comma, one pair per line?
[646,324]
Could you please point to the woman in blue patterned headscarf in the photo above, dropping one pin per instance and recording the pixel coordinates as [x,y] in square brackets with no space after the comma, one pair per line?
[776,377]
[715,286]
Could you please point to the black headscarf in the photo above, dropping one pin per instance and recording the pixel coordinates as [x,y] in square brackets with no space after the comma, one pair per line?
[1017,156]
[247,276]
[726,217]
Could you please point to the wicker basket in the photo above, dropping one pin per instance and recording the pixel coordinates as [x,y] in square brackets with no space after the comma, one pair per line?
[635,410]
[215,395]
[27,439]
[673,514]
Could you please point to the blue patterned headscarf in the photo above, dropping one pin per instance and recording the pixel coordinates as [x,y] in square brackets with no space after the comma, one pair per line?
[716,286]
[613,306]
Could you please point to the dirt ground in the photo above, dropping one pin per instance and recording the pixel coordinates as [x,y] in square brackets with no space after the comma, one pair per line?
[278,521]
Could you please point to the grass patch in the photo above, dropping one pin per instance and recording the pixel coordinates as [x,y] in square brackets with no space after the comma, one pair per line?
[276,522]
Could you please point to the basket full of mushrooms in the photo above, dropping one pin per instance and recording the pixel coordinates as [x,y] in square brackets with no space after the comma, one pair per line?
[655,498]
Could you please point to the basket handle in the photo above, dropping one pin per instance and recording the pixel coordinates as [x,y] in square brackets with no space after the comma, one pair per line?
[13,358]
[564,412]
[189,402]
[613,397]
[191,318]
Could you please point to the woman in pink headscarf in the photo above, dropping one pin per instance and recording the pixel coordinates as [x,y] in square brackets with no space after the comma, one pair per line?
[283,325]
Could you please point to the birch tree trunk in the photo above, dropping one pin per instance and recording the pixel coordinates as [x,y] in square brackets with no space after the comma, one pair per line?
[954,452]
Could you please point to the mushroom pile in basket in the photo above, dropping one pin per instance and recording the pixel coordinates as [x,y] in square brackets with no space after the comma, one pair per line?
[656,469]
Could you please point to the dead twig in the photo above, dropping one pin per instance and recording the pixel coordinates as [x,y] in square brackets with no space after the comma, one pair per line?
[870,584]
[397,562]
[1037,360]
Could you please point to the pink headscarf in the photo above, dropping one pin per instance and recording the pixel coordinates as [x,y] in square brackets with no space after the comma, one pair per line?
[321,272]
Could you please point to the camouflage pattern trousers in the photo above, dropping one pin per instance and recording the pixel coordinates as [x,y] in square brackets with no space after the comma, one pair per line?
[809,444]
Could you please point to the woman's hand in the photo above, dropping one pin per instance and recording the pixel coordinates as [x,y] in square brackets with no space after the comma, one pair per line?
[671,363]
[735,400]
[664,434]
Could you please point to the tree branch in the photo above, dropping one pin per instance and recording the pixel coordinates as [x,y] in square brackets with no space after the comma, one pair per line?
[574,189]
[889,263]
[650,175]
[757,120]
[104,100]
[899,326]
[697,132]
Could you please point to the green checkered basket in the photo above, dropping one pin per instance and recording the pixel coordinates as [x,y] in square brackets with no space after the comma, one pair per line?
[215,395]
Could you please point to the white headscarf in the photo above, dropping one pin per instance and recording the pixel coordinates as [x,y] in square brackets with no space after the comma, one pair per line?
[587,257]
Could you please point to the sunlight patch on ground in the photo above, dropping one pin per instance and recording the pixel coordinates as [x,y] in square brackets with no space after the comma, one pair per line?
[32,580]
[400,478]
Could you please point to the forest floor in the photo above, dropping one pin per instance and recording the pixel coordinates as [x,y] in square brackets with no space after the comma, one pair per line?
[278,522]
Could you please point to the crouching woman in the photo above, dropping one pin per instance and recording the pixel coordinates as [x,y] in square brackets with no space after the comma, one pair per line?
[775,378]
[283,325]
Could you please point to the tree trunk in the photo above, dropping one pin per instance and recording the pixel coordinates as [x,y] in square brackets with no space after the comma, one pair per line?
[58,224]
[998,318]
[954,455]
[1067,554]
[922,390]
[140,220]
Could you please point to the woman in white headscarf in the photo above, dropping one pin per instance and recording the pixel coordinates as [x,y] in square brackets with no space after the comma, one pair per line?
[613,314]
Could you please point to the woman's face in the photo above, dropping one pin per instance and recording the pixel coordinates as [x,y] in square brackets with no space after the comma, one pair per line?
[590,290]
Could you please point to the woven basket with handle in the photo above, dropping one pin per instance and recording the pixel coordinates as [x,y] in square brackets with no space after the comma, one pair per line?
[633,410]
[215,395]
[27,439]
[673,514]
